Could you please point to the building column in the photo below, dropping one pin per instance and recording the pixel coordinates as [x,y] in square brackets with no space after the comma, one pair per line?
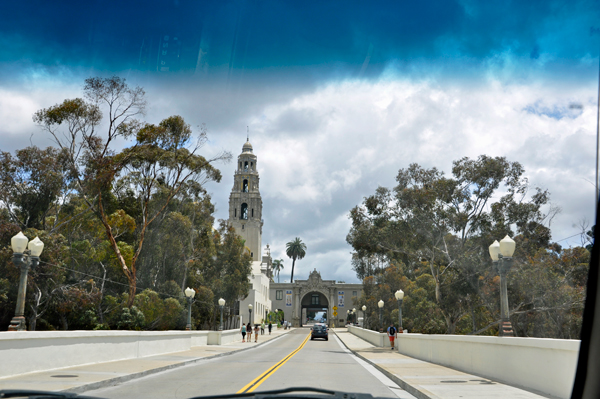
[297,307]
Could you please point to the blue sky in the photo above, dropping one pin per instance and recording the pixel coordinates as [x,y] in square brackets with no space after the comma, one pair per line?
[338,95]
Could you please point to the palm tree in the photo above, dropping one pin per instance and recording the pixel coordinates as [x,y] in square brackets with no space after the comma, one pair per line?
[296,250]
[277,266]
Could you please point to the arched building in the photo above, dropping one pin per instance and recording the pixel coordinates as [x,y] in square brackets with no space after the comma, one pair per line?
[315,297]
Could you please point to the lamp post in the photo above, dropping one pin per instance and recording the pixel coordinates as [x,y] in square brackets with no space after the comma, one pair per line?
[189,293]
[501,254]
[250,313]
[380,304]
[399,297]
[25,259]
[364,309]
[221,304]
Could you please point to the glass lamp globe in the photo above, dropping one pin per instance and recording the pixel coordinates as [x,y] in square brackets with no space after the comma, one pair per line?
[189,292]
[380,303]
[250,306]
[221,302]
[399,295]
[19,243]
[364,308]
[36,246]
[494,250]
[507,247]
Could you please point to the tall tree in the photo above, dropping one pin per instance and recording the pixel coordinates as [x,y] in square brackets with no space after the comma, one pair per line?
[34,185]
[277,267]
[444,225]
[295,250]
[161,162]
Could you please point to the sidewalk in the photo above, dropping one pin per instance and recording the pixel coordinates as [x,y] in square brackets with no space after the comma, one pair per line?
[426,380]
[94,376]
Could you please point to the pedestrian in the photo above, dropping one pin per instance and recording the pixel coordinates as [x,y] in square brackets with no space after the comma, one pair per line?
[262,328]
[256,333]
[249,330]
[392,333]
[243,330]
[270,327]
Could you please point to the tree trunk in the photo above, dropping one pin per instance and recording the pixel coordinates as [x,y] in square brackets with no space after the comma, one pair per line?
[293,263]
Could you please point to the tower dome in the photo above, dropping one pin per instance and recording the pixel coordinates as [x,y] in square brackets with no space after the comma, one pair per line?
[247,146]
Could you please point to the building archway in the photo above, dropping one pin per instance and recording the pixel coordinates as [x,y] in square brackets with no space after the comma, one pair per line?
[314,308]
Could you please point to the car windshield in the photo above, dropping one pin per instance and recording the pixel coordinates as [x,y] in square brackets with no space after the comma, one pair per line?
[188,187]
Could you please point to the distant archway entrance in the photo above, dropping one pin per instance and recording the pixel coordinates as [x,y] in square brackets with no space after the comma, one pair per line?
[314,307]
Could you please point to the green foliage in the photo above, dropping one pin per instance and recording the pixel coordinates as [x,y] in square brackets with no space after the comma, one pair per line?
[430,234]
[131,319]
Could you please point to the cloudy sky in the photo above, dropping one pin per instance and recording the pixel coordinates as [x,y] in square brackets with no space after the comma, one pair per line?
[337,95]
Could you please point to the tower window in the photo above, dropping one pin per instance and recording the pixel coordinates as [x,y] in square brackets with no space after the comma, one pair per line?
[242,227]
[240,165]
[252,212]
[315,300]
[252,165]
[235,213]
[246,165]
[244,213]
[245,186]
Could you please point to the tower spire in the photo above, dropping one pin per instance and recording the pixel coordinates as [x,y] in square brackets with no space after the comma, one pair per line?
[247,133]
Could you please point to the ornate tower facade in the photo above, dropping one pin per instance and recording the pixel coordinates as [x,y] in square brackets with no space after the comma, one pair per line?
[245,203]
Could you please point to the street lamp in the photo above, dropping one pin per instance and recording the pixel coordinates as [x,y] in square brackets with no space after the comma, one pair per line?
[364,309]
[501,254]
[221,304]
[380,304]
[250,313]
[189,293]
[399,297]
[25,259]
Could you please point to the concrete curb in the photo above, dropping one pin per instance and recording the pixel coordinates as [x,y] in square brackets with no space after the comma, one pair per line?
[416,392]
[124,378]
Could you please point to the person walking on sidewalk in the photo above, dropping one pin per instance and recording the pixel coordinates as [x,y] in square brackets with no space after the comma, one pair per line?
[249,330]
[270,327]
[262,328]
[256,333]
[392,334]
[243,331]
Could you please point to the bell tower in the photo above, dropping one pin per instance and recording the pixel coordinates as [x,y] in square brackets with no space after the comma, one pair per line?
[245,203]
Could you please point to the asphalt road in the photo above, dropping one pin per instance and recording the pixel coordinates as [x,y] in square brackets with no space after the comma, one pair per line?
[289,361]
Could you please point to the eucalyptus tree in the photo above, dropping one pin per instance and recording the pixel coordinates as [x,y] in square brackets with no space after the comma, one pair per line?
[444,224]
[295,249]
[158,162]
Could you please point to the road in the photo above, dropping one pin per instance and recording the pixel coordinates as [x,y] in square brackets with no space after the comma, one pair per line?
[289,361]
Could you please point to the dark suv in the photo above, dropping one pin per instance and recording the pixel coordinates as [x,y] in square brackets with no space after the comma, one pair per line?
[319,331]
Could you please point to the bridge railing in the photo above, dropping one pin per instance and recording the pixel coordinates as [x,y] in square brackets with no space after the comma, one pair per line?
[541,365]
[32,351]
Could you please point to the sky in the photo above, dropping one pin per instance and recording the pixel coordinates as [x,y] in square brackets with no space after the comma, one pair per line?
[337,96]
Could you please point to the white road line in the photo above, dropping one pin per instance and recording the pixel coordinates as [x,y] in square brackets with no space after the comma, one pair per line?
[396,390]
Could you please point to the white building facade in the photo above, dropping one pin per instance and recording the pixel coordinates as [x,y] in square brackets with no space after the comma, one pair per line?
[245,215]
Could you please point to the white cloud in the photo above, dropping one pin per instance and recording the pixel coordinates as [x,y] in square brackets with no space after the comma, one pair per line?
[321,150]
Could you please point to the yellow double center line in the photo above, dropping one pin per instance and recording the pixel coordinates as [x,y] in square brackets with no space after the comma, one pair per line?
[255,383]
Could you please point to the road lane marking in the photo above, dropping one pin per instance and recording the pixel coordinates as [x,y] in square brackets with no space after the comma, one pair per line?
[255,383]
[392,386]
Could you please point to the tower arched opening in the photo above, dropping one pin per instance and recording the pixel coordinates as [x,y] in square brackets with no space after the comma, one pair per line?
[244,211]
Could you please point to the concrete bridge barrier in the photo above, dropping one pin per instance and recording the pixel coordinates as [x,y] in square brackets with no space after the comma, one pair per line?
[31,351]
[541,365]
